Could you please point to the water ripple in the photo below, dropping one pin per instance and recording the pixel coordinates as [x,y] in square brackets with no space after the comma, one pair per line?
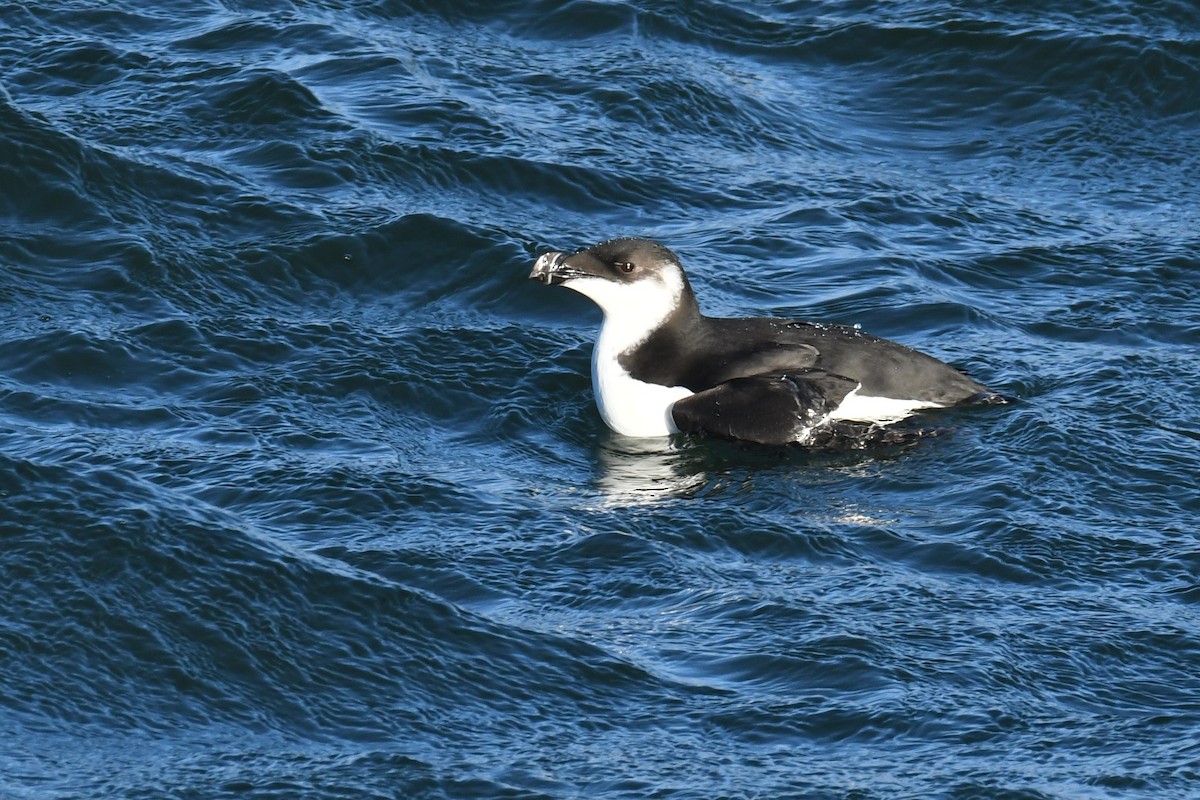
[303,487]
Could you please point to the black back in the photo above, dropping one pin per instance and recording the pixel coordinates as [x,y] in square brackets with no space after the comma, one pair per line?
[701,352]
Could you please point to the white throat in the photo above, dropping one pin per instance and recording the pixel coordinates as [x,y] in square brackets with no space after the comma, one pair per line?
[632,311]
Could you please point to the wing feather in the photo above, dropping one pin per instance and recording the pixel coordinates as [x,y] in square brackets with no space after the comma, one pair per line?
[767,409]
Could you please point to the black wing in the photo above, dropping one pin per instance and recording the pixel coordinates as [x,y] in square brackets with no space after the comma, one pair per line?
[709,351]
[883,367]
[767,409]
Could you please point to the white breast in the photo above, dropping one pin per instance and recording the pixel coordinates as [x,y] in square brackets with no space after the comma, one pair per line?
[631,313]
[629,406]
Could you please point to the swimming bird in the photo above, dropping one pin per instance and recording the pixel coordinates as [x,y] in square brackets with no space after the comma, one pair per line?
[660,366]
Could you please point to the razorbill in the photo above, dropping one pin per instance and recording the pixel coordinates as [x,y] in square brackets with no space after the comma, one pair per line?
[661,367]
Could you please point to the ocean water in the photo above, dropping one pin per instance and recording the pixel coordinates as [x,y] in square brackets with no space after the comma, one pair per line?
[303,493]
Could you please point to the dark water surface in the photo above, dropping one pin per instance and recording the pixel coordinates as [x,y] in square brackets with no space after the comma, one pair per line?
[303,493]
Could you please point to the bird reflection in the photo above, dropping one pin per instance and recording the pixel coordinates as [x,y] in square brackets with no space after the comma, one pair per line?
[638,471]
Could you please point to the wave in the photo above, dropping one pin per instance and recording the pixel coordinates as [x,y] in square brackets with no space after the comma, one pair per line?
[167,612]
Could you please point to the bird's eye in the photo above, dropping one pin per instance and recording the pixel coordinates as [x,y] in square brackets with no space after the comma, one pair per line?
[625,266]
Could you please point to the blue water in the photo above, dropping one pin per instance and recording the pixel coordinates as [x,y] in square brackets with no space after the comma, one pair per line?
[303,493]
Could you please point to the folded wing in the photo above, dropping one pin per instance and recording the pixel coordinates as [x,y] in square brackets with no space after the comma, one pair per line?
[777,409]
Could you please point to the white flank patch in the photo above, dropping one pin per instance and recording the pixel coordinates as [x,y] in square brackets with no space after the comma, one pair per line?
[632,311]
[864,408]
